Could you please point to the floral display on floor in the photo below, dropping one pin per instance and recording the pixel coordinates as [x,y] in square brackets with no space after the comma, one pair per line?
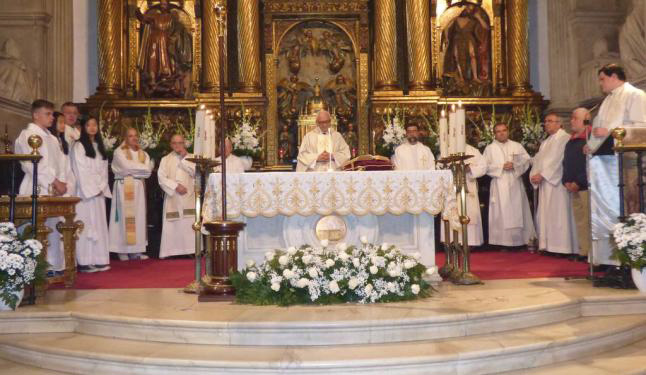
[326,275]
[630,238]
[19,264]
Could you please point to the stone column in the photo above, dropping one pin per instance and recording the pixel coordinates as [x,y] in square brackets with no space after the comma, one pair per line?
[518,51]
[418,25]
[109,14]
[385,45]
[249,45]
[210,50]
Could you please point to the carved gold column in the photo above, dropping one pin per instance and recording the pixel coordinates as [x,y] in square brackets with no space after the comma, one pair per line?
[518,51]
[418,25]
[249,45]
[210,50]
[385,45]
[109,13]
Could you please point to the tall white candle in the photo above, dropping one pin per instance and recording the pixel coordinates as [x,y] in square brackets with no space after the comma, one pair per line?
[453,124]
[444,135]
[461,138]
[200,134]
[329,133]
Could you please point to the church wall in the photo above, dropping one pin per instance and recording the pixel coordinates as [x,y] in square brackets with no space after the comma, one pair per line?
[85,50]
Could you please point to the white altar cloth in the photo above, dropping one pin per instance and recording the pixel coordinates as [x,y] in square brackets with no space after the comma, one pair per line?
[281,209]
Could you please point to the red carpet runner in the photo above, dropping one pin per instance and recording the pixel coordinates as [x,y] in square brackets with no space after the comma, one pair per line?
[177,273]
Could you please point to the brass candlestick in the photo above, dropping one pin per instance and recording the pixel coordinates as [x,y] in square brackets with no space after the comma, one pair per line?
[5,140]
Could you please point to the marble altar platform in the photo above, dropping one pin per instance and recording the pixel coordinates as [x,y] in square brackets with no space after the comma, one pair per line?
[286,209]
[533,326]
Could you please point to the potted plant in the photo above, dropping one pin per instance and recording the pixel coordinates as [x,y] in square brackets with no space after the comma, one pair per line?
[630,240]
[20,264]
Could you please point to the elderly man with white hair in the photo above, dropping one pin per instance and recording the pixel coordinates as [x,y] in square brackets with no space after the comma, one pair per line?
[235,164]
[322,149]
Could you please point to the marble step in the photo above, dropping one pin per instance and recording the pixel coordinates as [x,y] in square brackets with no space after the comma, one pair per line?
[628,360]
[474,355]
[231,324]
[13,368]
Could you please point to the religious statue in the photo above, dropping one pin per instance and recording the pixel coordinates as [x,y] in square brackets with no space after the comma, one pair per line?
[16,82]
[288,95]
[344,94]
[632,41]
[336,49]
[166,54]
[316,102]
[285,144]
[351,139]
[465,45]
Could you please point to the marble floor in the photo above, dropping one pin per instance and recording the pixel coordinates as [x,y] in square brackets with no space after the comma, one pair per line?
[530,326]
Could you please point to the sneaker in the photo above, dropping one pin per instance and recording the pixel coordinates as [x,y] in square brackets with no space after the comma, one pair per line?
[123,257]
[101,267]
[138,256]
[87,269]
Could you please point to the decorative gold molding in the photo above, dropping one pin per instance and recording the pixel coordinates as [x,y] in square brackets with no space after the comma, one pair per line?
[518,51]
[418,23]
[385,45]
[315,6]
[109,13]
[364,123]
[249,45]
[271,64]
[211,51]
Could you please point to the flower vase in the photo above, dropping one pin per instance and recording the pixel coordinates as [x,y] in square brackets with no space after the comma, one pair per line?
[639,278]
[5,307]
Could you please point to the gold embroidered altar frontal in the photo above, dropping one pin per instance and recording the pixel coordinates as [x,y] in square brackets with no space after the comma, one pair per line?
[327,193]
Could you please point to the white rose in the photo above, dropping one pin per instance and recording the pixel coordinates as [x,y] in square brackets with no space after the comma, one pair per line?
[302,282]
[324,243]
[283,260]
[329,263]
[307,259]
[408,264]
[395,272]
[291,250]
[312,272]
[353,283]
[356,262]
[343,256]
[414,288]
[363,239]
[251,263]
[275,287]
[251,276]
[368,289]
[334,287]
[391,286]
[288,274]
[416,255]
[432,270]
[373,269]
[342,246]
[269,255]
[385,246]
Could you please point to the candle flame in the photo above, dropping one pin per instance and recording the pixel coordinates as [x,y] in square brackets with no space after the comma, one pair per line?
[443,114]
[452,107]
[202,106]
[460,104]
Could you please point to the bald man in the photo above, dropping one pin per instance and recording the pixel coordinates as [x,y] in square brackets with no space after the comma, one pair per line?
[235,164]
[322,149]
[575,178]
[176,176]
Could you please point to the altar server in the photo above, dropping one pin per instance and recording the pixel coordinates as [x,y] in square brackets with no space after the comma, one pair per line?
[131,166]
[554,219]
[72,129]
[90,163]
[510,219]
[235,164]
[412,154]
[51,173]
[176,178]
[624,106]
[322,149]
[58,130]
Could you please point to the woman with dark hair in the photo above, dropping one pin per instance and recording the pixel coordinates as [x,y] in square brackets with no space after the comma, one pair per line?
[91,166]
[58,130]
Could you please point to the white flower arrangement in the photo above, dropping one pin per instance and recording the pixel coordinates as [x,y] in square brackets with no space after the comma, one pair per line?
[106,128]
[630,238]
[368,273]
[18,263]
[149,137]
[531,127]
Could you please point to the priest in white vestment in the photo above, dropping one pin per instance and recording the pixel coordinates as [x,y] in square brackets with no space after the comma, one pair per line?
[90,163]
[624,106]
[131,166]
[51,173]
[235,164]
[322,149]
[413,155]
[554,218]
[510,218]
[176,177]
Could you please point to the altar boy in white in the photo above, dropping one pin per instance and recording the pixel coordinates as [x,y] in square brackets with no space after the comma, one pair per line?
[554,214]
[176,178]
[131,166]
[510,219]
[413,155]
[323,148]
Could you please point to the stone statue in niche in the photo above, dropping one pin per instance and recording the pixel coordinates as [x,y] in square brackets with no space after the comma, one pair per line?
[16,81]
[165,57]
[289,91]
[466,49]
[632,41]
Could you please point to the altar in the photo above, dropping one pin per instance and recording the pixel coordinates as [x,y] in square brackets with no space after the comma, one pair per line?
[292,209]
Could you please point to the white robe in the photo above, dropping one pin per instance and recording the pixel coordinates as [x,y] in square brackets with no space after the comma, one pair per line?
[178,237]
[92,187]
[625,107]
[53,165]
[123,167]
[314,143]
[477,168]
[510,218]
[72,135]
[413,157]
[235,164]
[554,218]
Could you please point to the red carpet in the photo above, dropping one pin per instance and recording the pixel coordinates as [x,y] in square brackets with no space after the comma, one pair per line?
[177,273]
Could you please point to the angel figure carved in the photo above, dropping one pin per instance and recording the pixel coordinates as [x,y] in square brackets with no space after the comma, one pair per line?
[289,91]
